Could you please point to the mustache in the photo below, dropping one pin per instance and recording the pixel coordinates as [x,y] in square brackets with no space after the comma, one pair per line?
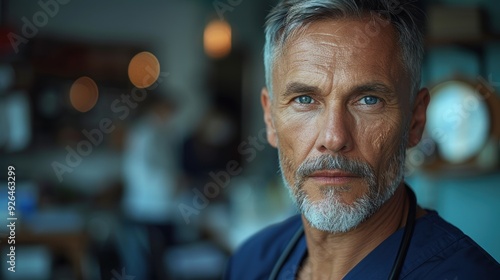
[335,162]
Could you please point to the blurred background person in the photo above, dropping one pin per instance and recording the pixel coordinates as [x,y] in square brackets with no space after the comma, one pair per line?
[152,173]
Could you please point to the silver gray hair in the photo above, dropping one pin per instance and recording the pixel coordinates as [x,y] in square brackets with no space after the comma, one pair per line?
[290,16]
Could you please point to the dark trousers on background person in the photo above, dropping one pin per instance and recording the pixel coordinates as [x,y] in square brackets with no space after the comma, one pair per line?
[160,238]
[142,247]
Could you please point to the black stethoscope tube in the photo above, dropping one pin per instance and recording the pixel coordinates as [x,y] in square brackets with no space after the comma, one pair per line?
[407,234]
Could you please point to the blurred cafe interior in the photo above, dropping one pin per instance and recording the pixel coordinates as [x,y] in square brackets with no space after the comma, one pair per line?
[136,137]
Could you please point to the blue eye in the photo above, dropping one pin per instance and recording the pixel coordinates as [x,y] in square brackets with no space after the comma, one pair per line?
[369,100]
[304,99]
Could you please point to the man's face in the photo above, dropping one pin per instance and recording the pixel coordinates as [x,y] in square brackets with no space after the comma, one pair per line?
[340,116]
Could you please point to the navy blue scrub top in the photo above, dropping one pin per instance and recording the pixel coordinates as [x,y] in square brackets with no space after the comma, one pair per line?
[438,250]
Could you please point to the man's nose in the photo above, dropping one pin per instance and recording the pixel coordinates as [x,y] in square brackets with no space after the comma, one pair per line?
[335,131]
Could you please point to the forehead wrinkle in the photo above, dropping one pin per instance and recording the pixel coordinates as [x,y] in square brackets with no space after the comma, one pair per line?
[317,53]
[303,60]
[323,37]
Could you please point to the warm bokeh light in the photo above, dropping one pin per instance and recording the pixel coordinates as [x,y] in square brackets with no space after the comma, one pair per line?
[83,94]
[217,39]
[143,69]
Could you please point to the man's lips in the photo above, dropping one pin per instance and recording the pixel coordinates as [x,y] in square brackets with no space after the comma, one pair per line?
[333,176]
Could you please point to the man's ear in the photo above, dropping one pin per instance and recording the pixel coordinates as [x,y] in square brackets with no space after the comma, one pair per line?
[418,120]
[266,101]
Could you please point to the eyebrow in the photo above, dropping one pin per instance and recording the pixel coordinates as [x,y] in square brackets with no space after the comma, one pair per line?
[375,87]
[295,87]
[301,88]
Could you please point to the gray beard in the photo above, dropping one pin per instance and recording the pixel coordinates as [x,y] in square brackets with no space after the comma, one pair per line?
[329,213]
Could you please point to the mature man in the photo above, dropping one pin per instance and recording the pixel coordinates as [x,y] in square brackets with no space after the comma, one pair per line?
[342,104]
